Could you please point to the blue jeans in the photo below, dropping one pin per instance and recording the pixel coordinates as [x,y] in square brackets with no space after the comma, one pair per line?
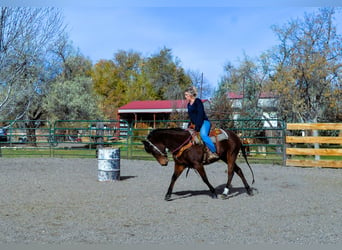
[204,132]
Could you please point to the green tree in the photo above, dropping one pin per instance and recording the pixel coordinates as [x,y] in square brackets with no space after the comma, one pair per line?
[129,77]
[120,81]
[70,96]
[166,75]
[72,99]
[130,68]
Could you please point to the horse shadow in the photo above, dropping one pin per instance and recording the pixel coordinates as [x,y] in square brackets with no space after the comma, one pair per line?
[233,192]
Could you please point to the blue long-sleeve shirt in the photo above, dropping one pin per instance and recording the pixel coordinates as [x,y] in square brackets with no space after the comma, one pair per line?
[197,114]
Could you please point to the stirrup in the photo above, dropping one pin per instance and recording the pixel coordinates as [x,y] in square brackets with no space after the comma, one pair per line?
[212,156]
[209,156]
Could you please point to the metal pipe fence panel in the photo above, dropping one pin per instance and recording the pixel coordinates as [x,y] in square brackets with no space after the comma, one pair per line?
[264,139]
[63,138]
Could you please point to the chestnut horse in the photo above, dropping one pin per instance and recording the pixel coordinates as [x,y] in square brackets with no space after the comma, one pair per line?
[174,139]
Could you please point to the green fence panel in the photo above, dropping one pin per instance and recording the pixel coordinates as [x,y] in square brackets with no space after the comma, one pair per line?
[264,138]
[25,138]
[64,138]
[82,138]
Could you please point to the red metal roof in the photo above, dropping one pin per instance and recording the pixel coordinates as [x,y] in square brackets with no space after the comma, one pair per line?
[156,106]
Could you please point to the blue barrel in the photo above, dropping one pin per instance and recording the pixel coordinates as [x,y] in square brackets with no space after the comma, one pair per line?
[108,164]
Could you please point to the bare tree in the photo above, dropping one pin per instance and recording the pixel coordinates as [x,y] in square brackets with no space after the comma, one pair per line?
[308,68]
[201,83]
[308,63]
[26,38]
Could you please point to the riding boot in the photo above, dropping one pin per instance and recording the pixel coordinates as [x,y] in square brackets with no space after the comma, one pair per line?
[211,157]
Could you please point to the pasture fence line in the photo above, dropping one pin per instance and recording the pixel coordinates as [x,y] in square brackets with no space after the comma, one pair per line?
[309,148]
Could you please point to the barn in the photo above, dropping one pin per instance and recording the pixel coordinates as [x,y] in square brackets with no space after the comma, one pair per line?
[152,110]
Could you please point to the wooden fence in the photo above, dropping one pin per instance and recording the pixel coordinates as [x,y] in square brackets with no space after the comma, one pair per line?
[330,146]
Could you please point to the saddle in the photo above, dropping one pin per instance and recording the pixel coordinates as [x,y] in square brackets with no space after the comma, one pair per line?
[216,135]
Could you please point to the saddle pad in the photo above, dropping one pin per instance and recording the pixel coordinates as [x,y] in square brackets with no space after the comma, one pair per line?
[216,132]
[220,133]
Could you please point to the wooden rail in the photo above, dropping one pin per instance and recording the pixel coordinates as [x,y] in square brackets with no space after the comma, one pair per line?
[322,151]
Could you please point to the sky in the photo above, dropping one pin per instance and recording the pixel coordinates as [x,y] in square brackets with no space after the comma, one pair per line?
[203,34]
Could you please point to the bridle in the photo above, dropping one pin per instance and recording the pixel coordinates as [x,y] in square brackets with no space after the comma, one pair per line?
[174,151]
[156,148]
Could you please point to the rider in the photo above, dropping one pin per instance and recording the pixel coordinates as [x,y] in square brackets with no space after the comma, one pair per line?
[200,120]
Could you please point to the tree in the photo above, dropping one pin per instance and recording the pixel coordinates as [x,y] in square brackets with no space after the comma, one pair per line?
[26,37]
[307,67]
[117,84]
[72,100]
[221,110]
[166,75]
[129,77]
[71,95]
[130,68]
[249,79]
[200,82]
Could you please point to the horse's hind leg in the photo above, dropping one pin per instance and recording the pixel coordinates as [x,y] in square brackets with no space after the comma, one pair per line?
[230,173]
[176,173]
[239,172]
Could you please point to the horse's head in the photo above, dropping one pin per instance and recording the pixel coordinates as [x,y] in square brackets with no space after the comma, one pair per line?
[158,150]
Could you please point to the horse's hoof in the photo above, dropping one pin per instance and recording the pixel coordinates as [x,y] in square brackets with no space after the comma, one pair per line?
[214,196]
[250,192]
[224,196]
[167,197]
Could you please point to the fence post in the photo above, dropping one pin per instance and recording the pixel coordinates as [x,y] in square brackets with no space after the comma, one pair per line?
[99,135]
[284,143]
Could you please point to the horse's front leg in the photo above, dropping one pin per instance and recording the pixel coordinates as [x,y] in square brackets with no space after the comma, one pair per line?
[201,171]
[176,173]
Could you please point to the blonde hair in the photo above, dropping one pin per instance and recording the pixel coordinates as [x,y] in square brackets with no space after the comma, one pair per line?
[192,91]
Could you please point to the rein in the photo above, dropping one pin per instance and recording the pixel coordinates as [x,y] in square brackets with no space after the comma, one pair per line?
[180,146]
[155,147]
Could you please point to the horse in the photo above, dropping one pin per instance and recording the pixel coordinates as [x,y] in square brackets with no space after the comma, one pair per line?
[176,140]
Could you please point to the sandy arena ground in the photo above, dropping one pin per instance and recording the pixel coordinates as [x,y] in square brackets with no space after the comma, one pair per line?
[58,201]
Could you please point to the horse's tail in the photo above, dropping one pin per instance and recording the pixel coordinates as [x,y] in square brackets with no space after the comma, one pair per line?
[243,150]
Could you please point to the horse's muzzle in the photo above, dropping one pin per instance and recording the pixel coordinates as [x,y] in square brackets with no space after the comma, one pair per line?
[163,162]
